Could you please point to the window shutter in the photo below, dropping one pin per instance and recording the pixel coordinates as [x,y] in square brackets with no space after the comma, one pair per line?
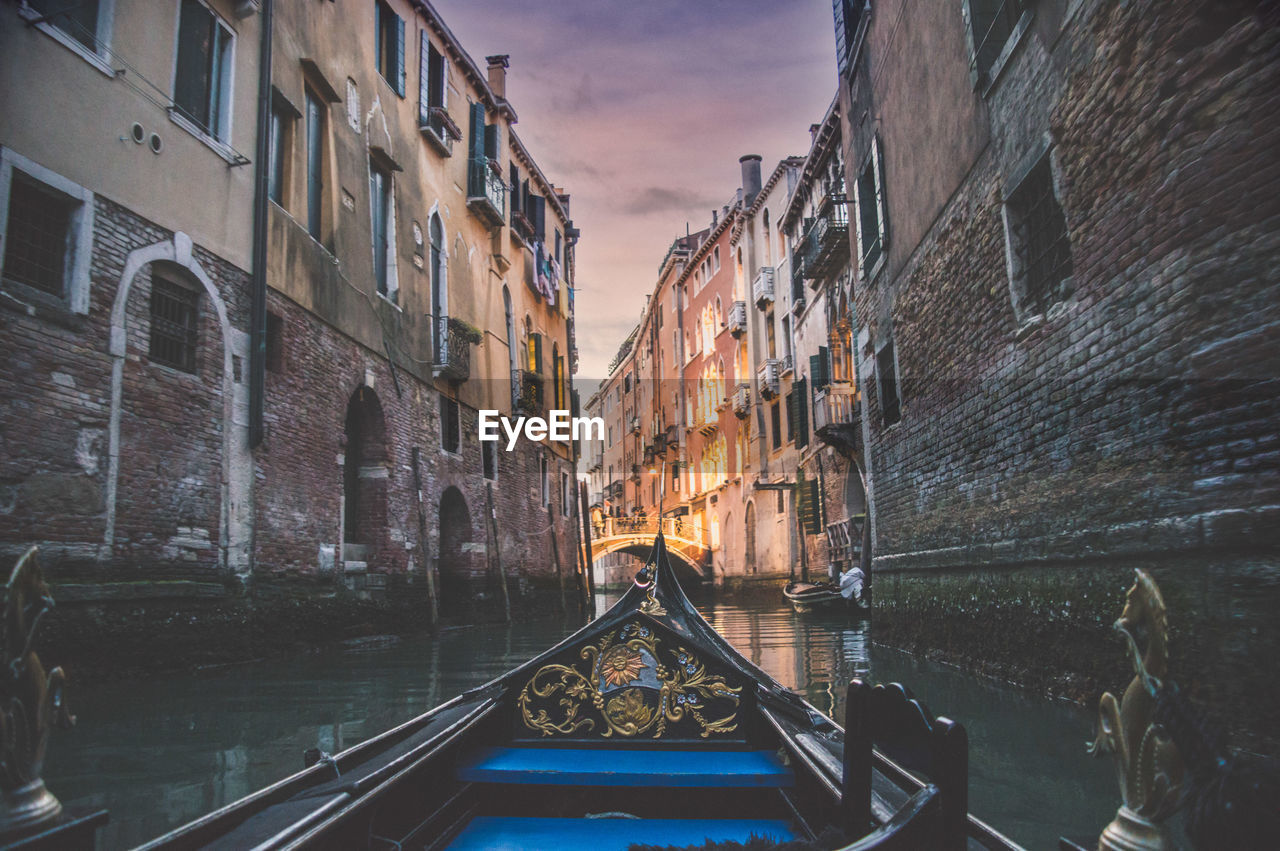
[801,413]
[399,56]
[881,210]
[539,209]
[492,141]
[857,223]
[476,146]
[815,508]
[516,205]
[424,77]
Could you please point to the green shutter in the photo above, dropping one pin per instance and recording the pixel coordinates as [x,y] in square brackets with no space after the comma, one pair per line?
[424,77]
[802,414]
[399,56]
[476,146]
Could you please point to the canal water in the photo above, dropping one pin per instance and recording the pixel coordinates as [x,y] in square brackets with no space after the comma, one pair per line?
[162,751]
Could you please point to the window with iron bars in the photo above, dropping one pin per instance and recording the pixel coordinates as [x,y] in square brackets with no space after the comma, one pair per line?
[1040,252]
[991,23]
[35,251]
[175,311]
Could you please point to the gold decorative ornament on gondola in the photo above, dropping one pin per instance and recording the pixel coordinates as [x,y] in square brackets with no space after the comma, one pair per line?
[633,684]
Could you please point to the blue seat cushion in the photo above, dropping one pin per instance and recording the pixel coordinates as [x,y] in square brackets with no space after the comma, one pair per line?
[603,767]
[612,834]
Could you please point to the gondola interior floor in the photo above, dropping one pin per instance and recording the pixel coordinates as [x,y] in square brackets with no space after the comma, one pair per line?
[608,834]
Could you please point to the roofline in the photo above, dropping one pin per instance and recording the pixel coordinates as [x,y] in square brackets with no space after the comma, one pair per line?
[821,145]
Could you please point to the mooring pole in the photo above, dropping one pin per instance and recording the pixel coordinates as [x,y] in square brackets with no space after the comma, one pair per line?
[588,580]
[423,550]
[555,554]
[497,555]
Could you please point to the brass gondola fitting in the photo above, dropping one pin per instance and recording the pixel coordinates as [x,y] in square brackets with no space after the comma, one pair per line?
[1148,766]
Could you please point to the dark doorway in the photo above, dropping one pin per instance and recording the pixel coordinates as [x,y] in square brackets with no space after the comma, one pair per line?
[364,472]
[458,578]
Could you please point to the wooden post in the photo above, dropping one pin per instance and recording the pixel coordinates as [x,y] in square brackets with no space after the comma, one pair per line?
[425,553]
[588,580]
[497,555]
[555,555]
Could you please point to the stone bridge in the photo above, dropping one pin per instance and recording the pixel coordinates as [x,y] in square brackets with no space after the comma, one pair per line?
[686,543]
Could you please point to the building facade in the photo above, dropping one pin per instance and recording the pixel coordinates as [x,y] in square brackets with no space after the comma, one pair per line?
[416,268]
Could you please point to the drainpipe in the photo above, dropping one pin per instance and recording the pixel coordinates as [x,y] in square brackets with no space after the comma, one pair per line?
[258,306]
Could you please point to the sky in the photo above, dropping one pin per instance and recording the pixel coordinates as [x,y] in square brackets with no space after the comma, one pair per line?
[641,110]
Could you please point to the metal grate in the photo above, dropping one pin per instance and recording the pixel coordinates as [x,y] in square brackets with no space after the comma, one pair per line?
[1040,233]
[35,251]
[174,311]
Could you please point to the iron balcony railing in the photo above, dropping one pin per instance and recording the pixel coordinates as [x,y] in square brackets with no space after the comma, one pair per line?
[486,193]
[737,318]
[531,397]
[452,351]
[762,288]
[521,227]
[825,246]
[769,377]
[615,490]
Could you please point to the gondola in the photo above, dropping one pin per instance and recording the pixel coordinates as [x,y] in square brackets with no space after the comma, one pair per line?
[807,596]
[643,727]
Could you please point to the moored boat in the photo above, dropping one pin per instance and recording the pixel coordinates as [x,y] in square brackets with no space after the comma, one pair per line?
[807,596]
[644,727]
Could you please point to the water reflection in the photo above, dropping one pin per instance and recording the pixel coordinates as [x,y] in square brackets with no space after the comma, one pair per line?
[160,752]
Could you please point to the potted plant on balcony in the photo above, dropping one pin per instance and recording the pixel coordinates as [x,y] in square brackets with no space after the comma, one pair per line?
[466,330]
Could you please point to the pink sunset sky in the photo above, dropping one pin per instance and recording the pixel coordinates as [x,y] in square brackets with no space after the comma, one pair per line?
[641,111]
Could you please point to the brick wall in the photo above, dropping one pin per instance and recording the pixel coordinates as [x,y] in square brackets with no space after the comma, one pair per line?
[1141,415]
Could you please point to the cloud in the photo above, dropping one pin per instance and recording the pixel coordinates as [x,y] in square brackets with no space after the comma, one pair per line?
[665,199]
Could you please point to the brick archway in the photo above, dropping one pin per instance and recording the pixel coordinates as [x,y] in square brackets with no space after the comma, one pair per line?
[365,473]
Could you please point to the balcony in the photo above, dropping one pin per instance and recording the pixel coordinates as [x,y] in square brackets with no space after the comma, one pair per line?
[788,365]
[440,130]
[635,472]
[531,397]
[454,340]
[737,320]
[522,228]
[741,401]
[635,425]
[486,193]
[824,250]
[762,289]
[835,416]
[769,377]
[614,491]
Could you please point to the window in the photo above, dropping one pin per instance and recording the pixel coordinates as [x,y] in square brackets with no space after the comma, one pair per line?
[390,47]
[887,375]
[716,255]
[543,477]
[381,216]
[86,22]
[278,156]
[991,23]
[450,427]
[175,310]
[39,225]
[868,196]
[439,287]
[848,15]
[275,343]
[566,494]
[315,164]
[353,105]
[46,226]
[489,459]
[775,419]
[433,91]
[202,79]
[1039,255]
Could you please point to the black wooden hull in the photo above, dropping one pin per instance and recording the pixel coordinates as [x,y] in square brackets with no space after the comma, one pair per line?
[809,596]
[645,725]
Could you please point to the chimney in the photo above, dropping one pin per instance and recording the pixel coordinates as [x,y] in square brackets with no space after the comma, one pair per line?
[813,132]
[498,66]
[714,219]
[750,177]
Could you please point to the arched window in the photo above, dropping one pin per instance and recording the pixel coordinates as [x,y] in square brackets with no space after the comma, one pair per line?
[719,319]
[768,246]
[716,256]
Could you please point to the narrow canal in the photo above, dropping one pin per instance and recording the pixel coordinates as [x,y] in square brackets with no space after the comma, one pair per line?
[159,752]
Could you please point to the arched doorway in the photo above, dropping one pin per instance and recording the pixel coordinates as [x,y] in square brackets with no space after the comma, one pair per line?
[749,545]
[457,576]
[364,476]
